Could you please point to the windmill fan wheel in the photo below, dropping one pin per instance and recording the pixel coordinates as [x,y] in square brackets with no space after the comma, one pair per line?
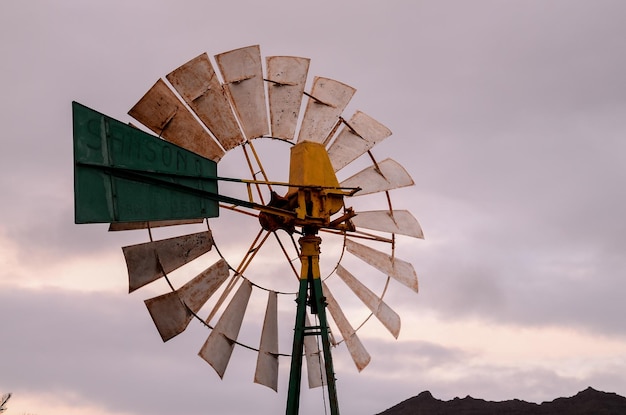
[283,145]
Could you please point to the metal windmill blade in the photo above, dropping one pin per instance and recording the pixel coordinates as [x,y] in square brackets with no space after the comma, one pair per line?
[220,343]
[266,372]
[243,80]
[384,176]
[400,222]
[173,311]
[358,136]
[250,108]
[377,306]
[162,112]
[327,100]
[152,260]
[286,76]
[196,81]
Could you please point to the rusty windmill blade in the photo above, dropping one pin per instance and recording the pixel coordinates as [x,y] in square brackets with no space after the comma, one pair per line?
[219,345]
[172,312]
[133,226]
[150,261]
[357,137]
[327,100]
[163,113]
[197,83]
[286,76]
[242,72]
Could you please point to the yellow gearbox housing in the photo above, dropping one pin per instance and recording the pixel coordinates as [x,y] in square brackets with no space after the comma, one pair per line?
[318,195]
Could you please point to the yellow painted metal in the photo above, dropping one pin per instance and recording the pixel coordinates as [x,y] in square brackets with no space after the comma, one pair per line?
[310,293]
[310,257]
[311,167]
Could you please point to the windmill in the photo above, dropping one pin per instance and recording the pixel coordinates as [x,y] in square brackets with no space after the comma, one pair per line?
[167,179]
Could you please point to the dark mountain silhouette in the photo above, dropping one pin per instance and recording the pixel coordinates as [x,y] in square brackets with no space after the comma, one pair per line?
[587,402]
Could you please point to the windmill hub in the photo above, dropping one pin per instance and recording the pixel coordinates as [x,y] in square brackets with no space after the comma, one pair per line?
[314,197]
[271,222]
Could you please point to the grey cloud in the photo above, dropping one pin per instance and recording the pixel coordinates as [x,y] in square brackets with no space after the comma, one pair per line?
[509,116]
[103,350]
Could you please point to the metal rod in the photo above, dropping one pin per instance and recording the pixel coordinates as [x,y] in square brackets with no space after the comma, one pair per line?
[258,162]
[349,191]
[252,173]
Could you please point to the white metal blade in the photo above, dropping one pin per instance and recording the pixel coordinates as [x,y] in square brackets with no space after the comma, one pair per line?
[399,221]
[389,175]
[196,82]
[131,226]
[315,366]
[322,112]
[219,345]
[287,77]
[243,77]
[172,312]
[266,372]
[360,135]
[389,318]
[162,112]
[148,261]
[397,269]
[360,356]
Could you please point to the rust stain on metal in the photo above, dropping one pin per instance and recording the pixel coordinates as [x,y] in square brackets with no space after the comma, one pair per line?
[173,311]
[359,135]
[219,345]
[242,72]
[163,113]
[287,76]
[197,83]
[148,261]
[319,119]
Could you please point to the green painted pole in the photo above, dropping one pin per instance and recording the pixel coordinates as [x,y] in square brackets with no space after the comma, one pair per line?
[310,292]
[328,358]
[295,374]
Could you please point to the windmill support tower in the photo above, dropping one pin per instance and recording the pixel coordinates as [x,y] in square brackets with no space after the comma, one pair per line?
[310,292]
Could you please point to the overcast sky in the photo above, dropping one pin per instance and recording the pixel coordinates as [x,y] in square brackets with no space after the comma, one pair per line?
[509,116]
